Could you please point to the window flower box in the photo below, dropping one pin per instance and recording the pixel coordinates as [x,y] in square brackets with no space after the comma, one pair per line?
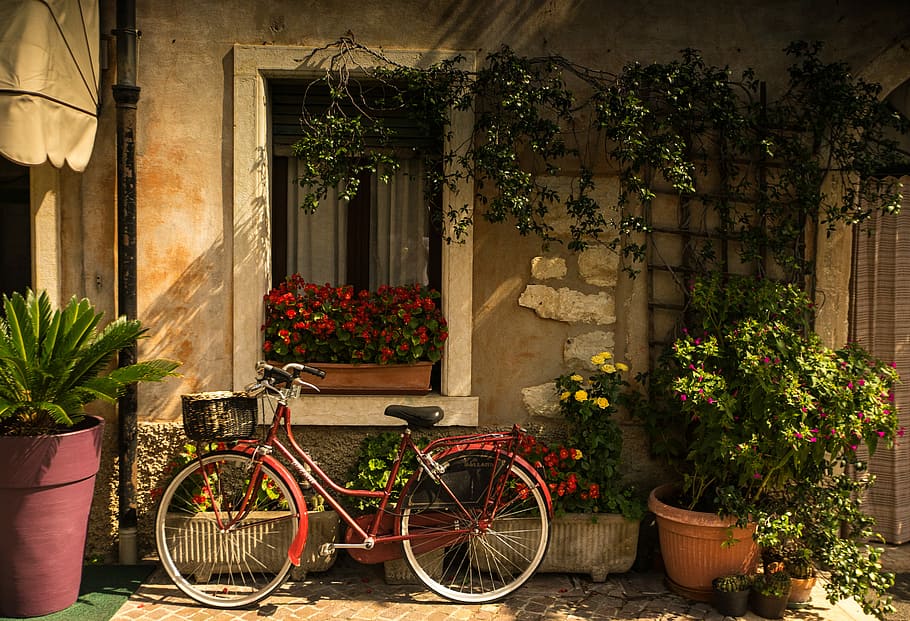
[325,324]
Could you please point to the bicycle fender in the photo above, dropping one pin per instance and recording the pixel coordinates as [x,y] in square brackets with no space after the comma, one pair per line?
[295,551]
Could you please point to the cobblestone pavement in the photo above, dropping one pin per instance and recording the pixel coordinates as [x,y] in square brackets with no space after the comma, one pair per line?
[352,591]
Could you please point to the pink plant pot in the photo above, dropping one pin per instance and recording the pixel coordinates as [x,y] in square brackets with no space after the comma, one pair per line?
[46,489]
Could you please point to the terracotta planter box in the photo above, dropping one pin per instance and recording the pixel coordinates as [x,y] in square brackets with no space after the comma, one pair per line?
[372,379]
[581,545]
[693,548]
[323,527]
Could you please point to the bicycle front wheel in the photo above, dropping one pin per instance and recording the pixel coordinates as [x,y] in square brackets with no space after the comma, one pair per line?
[482,534]
[219,551]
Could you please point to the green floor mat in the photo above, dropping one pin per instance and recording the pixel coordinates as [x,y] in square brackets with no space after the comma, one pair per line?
[104,590]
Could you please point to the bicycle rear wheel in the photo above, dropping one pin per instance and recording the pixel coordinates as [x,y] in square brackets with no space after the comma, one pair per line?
[488,543]
[215,555]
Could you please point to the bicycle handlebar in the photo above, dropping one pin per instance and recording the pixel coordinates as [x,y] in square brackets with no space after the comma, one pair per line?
[286,373]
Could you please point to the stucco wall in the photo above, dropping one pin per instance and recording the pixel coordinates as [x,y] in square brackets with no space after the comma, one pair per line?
[185,175]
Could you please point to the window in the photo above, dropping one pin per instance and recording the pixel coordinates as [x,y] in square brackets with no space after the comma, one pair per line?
[382,236]
[250,244]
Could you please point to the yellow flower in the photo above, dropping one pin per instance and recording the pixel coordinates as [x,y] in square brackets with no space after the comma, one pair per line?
[581,395]
[608,368]
[565,396]
[602,402]
[622,366]
[576,378]
[599,359]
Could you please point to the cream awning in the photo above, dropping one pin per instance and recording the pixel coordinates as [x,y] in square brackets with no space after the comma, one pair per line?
[48,81]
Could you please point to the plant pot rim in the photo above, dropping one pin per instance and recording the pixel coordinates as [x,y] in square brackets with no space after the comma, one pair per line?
[88,422]
[667,511]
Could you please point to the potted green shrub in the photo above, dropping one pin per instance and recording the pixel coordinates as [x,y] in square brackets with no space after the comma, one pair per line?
[770,591]
[801,569]
[731,594]
[367,341]
[760,417]
[53,363]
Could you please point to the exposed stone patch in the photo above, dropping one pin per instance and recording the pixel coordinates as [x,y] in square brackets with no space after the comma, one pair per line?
[568,305]
[579,349]
[545,268]
[541,400]
[598,265]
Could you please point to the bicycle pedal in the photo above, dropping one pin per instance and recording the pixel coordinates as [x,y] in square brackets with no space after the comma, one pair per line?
[327,549]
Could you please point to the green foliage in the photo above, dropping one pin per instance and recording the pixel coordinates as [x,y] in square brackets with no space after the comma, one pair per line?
[758,401]
[373,467]
[54,362]
[733,583]
[772,584]
[761,164]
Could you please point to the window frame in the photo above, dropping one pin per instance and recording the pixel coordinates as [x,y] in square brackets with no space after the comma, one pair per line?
[250,241]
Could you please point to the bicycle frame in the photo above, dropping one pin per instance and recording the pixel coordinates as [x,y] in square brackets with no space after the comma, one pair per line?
[369,537]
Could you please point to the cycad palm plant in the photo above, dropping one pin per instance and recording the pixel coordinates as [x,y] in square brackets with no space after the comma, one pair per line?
[54,362]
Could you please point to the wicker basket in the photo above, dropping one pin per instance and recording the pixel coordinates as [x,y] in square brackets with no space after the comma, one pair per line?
[219,415]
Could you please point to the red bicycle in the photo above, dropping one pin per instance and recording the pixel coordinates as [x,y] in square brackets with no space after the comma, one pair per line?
[473,522]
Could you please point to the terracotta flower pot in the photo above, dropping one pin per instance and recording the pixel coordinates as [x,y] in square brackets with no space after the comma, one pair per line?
[692,546]
[801,590]
[46,489]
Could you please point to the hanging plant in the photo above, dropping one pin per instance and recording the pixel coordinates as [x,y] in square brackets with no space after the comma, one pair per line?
[760,165]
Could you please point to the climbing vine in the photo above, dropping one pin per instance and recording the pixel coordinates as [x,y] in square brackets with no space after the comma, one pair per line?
[753,172]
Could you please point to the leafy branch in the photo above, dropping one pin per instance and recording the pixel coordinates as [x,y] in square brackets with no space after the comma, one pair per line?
[759,171]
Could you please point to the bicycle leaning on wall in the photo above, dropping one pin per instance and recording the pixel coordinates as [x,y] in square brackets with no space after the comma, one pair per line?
[473,522]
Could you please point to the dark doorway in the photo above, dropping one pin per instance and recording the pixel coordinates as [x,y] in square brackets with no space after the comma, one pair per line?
[15,228]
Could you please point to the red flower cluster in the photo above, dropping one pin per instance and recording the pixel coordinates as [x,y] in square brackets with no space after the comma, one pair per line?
[308,322]
[563,470]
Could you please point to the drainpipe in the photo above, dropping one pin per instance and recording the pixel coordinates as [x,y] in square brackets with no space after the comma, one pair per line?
[126,95]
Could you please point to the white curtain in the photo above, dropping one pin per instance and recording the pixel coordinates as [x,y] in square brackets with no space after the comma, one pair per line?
[399,231]
[317,243]
[399,227]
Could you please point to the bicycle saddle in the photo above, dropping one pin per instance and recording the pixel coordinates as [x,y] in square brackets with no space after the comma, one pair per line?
[418,416]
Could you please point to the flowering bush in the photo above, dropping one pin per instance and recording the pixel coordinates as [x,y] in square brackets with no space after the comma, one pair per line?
[584,477]
[304,321]
[764,402]
[761,418]
[589,405]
